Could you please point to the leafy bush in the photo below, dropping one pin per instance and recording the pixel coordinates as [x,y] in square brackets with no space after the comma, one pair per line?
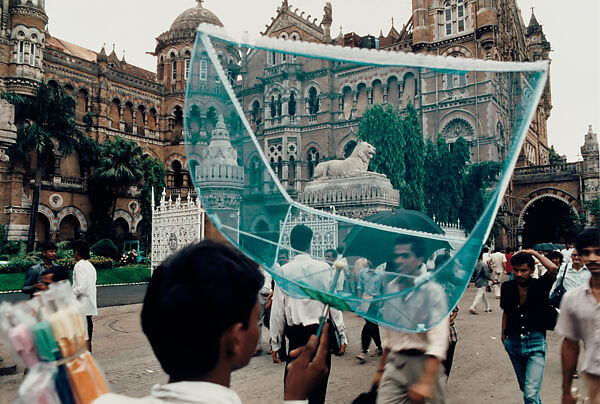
[64,250]
[105,248]
[12,247]
[97,262]
[17,265]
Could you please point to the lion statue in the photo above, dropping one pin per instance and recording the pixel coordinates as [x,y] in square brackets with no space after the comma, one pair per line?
[357,162]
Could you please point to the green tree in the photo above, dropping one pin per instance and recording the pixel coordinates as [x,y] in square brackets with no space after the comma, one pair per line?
[119,168]
[554,157]
[154,178]
[479,177]
[46,125]
[382,127]
[411,194]
[431,178]
[592,211]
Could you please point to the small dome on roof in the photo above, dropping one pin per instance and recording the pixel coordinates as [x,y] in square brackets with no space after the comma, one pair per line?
[194,16]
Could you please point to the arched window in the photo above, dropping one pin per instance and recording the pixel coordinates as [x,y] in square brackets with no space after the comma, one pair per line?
[312,157]
[140,121]
[128,117]
[291,170]
[292,104]
[187,64]
[203,69]
[460,15]
[21,52]
[313,101]
[448,17]
[177,174]
[178,125]
[349,148]
[174,70]
[81,106]
[32,54]
[256,112]
[152,119]
[115,116]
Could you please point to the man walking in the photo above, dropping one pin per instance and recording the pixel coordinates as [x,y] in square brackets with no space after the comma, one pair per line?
[369,285]
[482,280]
[573,274]
[579,318]
[497,263]
[526,317]
[300,317]
[84,284]
[33,278]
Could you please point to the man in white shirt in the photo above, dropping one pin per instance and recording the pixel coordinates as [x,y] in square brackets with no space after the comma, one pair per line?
[84,284]
[210,283]
[300,317]
[573,274]
[410,368]
[497,263]
[566,253]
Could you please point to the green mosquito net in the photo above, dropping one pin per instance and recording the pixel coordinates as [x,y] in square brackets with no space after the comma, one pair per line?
[366,179]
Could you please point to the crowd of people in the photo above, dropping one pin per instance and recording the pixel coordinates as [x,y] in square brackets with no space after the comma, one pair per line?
[236,297]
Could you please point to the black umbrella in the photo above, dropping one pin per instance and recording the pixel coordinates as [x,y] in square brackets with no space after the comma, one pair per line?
[377,245]
[544,247]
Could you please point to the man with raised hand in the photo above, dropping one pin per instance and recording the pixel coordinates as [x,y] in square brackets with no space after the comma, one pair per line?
[579,319]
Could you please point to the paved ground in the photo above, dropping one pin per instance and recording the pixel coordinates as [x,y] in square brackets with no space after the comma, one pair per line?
[107,295]
[481,372]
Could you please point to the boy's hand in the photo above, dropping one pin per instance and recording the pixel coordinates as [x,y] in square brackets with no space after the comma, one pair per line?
[420,391]
[305,374]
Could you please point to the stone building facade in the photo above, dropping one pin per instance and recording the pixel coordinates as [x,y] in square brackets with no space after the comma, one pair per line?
[300,114]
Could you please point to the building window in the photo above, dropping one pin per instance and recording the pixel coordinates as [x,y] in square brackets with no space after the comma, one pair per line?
[174,70]
[187,68]
[292,104]
[32,55]
[448,17]
[203,69]
[21,52]
[460,10]
[313,101]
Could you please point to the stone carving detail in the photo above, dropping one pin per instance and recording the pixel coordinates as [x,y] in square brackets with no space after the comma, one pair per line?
[357,163]
[7,116]
[56,201]
[174,225]
[457,128]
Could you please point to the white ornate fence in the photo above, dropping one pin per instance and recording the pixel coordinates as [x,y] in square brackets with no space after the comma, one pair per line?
[325,232]
[174,225]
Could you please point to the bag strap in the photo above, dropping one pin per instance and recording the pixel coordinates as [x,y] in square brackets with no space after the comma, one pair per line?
[562,280]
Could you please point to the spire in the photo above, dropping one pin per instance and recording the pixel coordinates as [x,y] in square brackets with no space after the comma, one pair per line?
[123,59]
[534,26]
[199,3]
[101,56]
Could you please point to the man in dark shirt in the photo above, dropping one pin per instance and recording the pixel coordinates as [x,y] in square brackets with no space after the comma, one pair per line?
[525,320]
[34,273]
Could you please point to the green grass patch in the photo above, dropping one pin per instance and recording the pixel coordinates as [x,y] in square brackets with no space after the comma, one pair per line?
[126,274]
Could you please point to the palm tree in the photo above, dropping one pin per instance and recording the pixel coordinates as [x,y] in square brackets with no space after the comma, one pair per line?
[46,124]
[119,168]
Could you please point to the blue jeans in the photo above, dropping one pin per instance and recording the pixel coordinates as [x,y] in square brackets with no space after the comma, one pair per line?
[527,353]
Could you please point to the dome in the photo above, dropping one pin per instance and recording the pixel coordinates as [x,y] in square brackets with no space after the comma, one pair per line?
[194,16]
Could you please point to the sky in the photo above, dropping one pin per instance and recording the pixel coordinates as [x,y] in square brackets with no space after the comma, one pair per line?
[573,31]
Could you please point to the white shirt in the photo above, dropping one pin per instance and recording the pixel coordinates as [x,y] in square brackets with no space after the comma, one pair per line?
[433,342]
[573,278]
[496,261]
[566,253]
[578,320]
[84,286]
[266,287]
[182,393]
[292,311]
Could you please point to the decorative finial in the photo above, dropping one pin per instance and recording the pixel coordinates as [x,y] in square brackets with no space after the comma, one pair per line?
[392,22]
[113,46]
[199,2]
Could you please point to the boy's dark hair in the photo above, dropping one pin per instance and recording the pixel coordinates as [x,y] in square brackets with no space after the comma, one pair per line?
[486,249]
[523,258]
[340,249]
[49,246]
[300,237]
[555,254]
[59,273]
[588,238]
[333,252]
[509,250]
[82,248]
[192,299]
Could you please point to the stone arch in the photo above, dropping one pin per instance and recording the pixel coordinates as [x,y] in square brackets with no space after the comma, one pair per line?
[136,221]
[256,222]
[458,49]
[459,114]
[176,156]
[72,210]
[148,151]
[548,192]
[310,145]
[458,127]
[52,219]
[308,87]
[377,91]
[123,214]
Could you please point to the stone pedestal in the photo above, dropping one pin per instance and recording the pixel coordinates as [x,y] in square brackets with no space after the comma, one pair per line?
[357,196]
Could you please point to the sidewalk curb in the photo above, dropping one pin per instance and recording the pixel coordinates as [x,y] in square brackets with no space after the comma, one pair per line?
[99,286]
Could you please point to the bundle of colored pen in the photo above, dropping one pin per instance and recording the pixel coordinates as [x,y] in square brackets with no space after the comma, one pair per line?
[47,334]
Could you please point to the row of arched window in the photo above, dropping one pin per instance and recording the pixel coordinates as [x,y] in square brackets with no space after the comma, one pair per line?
[128,116]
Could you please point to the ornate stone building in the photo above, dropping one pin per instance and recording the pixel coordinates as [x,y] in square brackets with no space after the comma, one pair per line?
[301,113]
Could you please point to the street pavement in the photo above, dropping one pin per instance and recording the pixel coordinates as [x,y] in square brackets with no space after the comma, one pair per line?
[117,295]
[481,372]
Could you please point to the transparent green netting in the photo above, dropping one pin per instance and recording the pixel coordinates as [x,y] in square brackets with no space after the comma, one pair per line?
[281,134]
